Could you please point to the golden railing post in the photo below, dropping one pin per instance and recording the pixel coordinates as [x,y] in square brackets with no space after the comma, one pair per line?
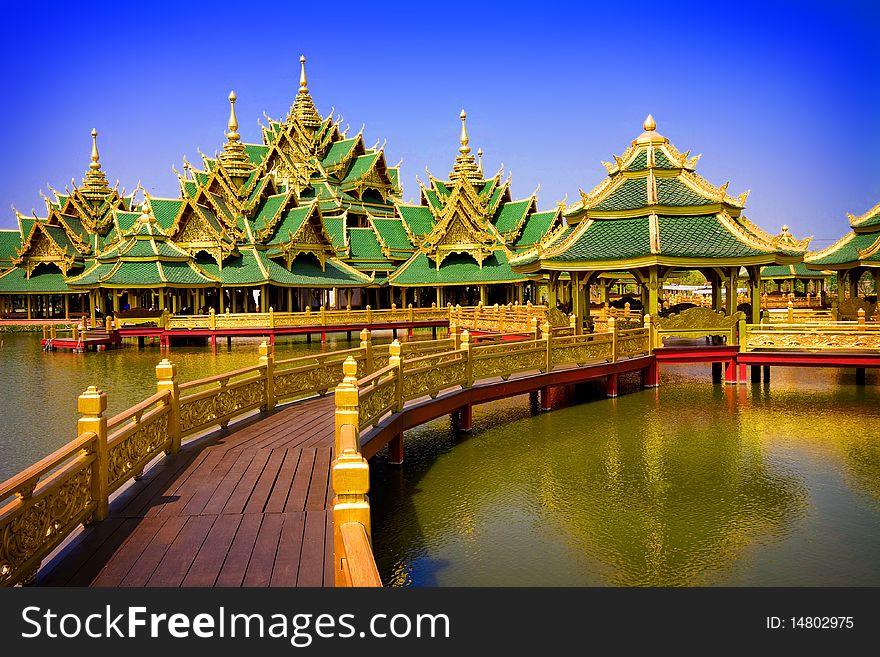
[45,332]
[166,379]
[76,332]
[545,335]
[267,360]
[396,360]
[649,327]
[453,333]
[572,323]
[91,405]
[53,331]
[790,312]
[612,329]
[367,347]
[323,316]
[346,398]
[369,315]
[861,315]
[449,308]
[410,312]
[466,347]
[501,319]
[271,317]
[165,317]
[741,337]
[212,319]
[108,323]
[533,327]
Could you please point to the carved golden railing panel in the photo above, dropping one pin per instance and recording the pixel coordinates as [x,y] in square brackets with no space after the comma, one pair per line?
[697,323]
[49,500]
[582,349]
[508,357]
[223,400]
[837,336]
[311,375]
[377,395]
[142,435]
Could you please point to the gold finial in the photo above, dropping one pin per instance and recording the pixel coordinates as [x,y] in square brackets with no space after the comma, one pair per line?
[232,135]
[480,159]
[650,124]
[302,73]
[464,136]
[94,164]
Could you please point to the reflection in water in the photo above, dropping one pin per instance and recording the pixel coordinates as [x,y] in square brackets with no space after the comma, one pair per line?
[690,484]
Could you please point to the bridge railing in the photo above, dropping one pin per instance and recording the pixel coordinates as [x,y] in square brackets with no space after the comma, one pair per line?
[814,337]
[791,314]
[321,317]
[354,563]
[507,318]
[696,322]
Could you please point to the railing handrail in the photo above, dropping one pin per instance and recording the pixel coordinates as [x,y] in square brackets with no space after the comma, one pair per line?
[317,357]
[216,378]
[137,409]
[45,465]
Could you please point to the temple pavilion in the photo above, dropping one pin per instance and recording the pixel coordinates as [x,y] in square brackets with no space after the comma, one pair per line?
[467,228]
[310,217]
[654,215]
[853,256]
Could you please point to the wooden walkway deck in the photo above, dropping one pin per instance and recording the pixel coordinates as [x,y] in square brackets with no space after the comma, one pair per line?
[245,507]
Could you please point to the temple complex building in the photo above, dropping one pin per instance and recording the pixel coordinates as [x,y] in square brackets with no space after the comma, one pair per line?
[652,216]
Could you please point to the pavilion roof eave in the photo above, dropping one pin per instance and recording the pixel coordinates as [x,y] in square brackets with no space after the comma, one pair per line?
[773,258]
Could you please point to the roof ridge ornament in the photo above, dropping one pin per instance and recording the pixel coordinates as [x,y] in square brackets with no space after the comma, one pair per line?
[234,156]
[650,124]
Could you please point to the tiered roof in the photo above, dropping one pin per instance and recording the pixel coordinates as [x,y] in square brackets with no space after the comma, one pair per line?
[654,209]
[467,227]
[858,248]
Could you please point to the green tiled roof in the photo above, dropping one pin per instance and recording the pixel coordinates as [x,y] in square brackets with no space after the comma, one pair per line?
[456,269]
[335,228]
[640,162]
[43,280]
[361,165]
[610,239]
[394,176]
[75,225]
[417,217]
[256,152]
[441,187]
[789,271]
[291,221]
[267,211]
[338,152]
[190,188]
[671,191]
[364,245]
[258,189]
[10,243]
[701,236]
[848,253]
[393,234]
[661,161]
[632,194]
[496,196]
[487,188]
[305,271]
[535,228]
[60,236]
[433,199]
[165,211]
[511,214]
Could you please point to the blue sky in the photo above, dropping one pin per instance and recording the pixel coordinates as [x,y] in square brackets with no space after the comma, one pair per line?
[779,97]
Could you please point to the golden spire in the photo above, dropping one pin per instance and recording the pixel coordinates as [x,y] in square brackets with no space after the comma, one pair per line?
[94,165]
[232,135]
[650,135]
[464,136]
[465,165]
[94,185]
[302,75]
[303,107]
[480,160]
[650,124]
[234,156]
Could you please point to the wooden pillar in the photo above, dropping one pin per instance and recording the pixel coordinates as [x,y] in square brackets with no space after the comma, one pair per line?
[756,374]
[652,285]
[290,299]
[264,298]
[551,289]
[545,398]
[395,450]
[28,297]
[755,294]
[93,306]
[403,297]
[519,293]
[484,295]
[465,418]
[730,284]
[611,385]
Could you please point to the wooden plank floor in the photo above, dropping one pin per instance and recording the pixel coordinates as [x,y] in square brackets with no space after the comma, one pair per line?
[248,507]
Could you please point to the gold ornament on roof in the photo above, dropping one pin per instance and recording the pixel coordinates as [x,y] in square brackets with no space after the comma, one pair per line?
[465,164]
[234,157]
[232,135]
[650,124]
[94,164]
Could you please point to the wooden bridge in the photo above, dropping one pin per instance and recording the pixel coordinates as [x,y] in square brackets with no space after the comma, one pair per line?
[280,498]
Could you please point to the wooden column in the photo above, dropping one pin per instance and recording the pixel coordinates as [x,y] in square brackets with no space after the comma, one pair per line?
[484,294]
[551,289]
[28,297]
[755,294]
[730,284]
[66,307]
